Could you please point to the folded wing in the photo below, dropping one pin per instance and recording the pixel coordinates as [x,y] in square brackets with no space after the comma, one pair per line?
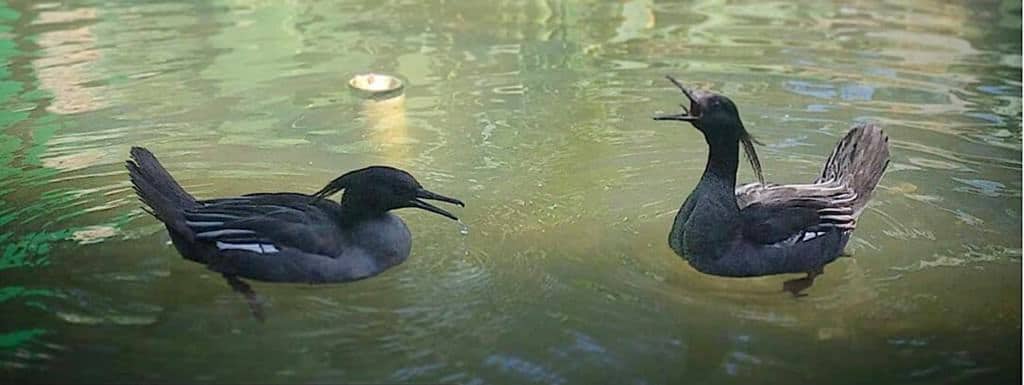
[265,224]
[795,213]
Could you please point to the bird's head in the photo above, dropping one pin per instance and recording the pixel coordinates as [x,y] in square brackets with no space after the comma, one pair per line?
[383,188]
[718,119]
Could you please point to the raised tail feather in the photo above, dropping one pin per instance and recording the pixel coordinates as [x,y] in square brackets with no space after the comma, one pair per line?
[158,190]
[859,160]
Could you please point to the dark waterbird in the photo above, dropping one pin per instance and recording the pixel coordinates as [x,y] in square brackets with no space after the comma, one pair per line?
[763,229]
[288,237]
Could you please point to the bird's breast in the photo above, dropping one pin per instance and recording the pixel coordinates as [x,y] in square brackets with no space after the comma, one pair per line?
[386,239]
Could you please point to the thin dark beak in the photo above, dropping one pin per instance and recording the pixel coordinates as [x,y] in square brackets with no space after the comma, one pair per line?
[424,194]
[681,88]
[685,115]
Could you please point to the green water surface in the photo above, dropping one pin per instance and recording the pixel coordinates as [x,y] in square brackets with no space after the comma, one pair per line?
[537,114]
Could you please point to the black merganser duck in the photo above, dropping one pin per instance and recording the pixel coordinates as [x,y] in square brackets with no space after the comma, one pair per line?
[763,229]
[288,237]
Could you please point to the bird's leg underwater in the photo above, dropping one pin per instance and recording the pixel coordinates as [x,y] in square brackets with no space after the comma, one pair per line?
[797,286]
[254,300]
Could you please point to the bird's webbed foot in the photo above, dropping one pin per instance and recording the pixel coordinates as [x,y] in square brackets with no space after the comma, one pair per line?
[798,285]
[254,300]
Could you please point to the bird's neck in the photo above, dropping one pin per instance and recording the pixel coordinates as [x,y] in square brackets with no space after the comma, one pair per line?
[354,209]
[710,217]
[719,179]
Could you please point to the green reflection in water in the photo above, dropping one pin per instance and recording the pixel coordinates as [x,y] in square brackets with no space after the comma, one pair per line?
[19,249]
[15,339]
[536,113]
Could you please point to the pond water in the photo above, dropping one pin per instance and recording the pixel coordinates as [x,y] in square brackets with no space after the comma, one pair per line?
[537,114]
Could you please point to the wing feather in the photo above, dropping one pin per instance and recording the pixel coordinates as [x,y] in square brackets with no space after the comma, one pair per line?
[265,223]
[797,212]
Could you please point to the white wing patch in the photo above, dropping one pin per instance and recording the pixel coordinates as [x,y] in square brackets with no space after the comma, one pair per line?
[802,236]
[224,232]
[222,222]
[262,248]
[203,223]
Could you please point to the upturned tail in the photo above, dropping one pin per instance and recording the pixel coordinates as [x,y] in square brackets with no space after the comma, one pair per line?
[163,196]
[859,160]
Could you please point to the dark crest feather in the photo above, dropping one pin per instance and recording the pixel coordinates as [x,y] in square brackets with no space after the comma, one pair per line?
[748,149]
[338,184]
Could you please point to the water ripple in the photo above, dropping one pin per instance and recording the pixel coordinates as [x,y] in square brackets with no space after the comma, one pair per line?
[537,115]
